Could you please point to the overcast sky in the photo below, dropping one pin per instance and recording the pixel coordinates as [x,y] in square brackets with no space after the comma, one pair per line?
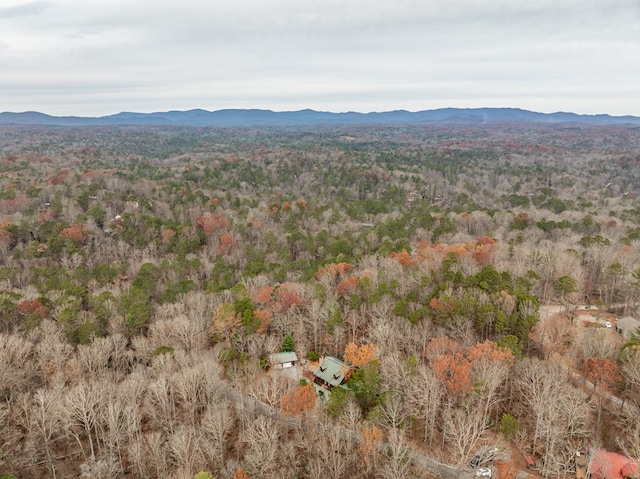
[99,57]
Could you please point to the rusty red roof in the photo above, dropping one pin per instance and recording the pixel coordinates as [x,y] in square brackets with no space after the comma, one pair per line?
[610,465]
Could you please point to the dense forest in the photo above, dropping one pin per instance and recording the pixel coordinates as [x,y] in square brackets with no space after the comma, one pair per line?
[469,278]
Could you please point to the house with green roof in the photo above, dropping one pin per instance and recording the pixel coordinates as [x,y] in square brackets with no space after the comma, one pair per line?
[331,373]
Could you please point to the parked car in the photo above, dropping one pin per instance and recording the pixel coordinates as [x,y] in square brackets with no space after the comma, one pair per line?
[483,472]
[607,324]
[475,461]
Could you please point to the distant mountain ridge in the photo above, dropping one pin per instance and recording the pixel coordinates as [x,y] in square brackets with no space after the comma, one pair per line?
[256,118]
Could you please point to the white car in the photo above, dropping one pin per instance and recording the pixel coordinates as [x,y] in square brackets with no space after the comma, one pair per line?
[483,472]
[607,324]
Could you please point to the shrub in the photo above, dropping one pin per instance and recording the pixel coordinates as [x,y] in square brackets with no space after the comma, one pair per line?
[509,426]
[288,344]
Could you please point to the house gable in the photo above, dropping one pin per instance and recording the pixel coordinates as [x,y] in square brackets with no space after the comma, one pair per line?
[330,373]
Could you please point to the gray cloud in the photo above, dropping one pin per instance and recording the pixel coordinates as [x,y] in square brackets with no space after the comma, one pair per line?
[24,9]
[99,57]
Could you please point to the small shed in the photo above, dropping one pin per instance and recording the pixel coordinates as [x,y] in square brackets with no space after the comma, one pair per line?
[330,373]
[283,360]
[627,325]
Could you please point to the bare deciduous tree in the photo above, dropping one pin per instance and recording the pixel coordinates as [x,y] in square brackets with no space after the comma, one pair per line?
[553,335]
[156,452]
[316,319]
[215,426]
[490,367]
[261,437]
[352,415]
[399,454]
[82,407]
[102,468]
[331,455]
[424,396]
[120,417]
[190,390]
[52,351]
[270,389]
[559,412]
[392,412]
[598,343]
[43,415]
[160,404]
[185,447]
[16,371]
[464,429]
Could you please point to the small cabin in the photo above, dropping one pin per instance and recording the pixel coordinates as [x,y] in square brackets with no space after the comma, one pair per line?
[283,360]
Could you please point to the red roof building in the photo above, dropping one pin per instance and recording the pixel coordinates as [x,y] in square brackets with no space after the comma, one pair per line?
[609,465]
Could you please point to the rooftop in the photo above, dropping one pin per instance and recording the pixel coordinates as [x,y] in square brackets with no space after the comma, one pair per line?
[281,358]
[331,371]
[627,325]
[610,465]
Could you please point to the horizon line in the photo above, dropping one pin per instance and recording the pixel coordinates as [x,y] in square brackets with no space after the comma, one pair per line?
[344,112]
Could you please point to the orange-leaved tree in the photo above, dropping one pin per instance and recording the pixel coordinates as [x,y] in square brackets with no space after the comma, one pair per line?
[167,234]
[404,258]
[359,356]
[489,352]
[440,346]
[240,474]
[490,368]
[212,223]
[507,470]
[227,242]
[334,270]
[442,309]
[74,233]
[263,295]
[34,307]
[299,401]
[370,440]
[225,322]
[290,297]
[603,373]
[265,317]
[454,370]
[347,286]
